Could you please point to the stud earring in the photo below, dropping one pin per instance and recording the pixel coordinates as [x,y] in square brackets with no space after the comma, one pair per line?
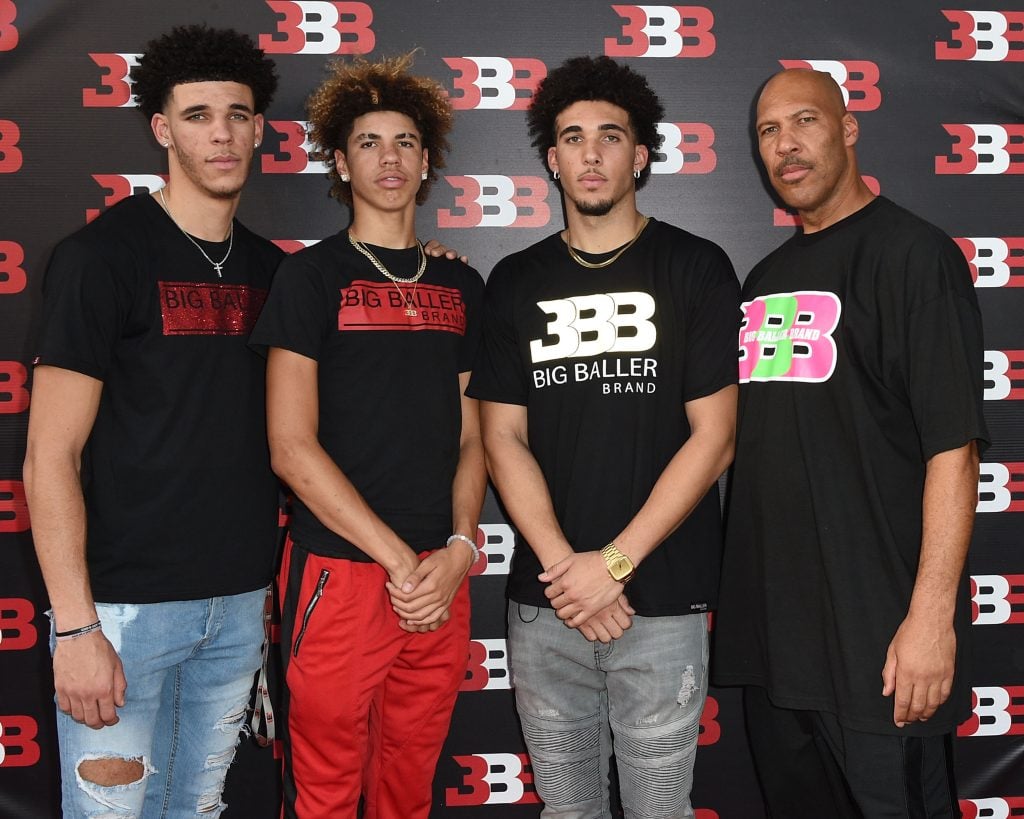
[423,176]
[345,177]
[255,145]
[166,144]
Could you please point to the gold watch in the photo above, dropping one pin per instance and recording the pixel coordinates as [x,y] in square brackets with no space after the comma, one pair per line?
[620,567]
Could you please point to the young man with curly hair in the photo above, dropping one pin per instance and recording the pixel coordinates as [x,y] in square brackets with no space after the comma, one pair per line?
[607,381]
[370,349]
[154,508]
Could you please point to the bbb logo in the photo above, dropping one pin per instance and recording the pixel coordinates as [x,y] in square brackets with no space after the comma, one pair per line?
[115,89]
[997,599]
[10,154]
[293,149]
[662,31]
[994,261]
[1001,487]
[992,808]
[1004,375]
[13,506]
[8,31]
[493,779]
[121,186]
[989,36]
[17,631]
[490,200]
[488,666]
[685,148]
[505,83]
[496,542]
[12,274]
[983,149]
[320,27]
[18,746]
[13,394]
[784,217]
[291,246]
[998,711]
[858,80]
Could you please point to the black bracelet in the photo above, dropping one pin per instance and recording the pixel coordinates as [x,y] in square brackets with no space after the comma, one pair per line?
[78,632]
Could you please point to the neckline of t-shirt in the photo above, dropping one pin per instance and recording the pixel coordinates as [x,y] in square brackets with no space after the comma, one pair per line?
[206,244]
[856,216]
[597,258]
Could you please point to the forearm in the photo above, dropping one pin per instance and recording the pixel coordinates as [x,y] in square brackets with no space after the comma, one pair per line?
[468,488]
[948,507]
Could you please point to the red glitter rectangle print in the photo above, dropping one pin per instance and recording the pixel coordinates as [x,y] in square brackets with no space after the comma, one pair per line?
[205,309]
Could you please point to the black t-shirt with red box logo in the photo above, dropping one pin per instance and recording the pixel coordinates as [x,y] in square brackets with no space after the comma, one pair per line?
[390,402]
[180,499]
[860,359]
[604,361]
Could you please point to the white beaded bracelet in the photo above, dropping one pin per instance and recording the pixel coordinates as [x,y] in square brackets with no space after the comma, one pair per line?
[470,541]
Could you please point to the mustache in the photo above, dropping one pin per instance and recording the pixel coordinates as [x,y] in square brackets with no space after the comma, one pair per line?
[789,162]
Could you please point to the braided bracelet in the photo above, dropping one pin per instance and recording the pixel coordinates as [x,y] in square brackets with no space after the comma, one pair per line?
[470,541]
[77,632]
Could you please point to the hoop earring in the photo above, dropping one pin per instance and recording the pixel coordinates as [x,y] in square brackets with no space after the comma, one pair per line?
[556,176]
[636,174]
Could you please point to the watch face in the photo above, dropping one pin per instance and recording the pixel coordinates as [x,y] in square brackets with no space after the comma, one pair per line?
[620,568]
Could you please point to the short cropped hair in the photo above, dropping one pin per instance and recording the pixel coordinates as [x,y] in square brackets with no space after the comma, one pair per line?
[599,79]
[199,53]
[357,87]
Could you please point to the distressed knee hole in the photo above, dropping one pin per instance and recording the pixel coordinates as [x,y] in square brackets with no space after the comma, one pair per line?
[110,771]
[688,686]
[231,722]
[210,805]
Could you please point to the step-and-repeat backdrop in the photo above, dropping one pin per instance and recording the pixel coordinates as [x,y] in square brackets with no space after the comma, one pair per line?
[939,92]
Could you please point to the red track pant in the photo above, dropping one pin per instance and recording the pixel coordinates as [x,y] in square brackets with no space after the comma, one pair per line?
[368,704]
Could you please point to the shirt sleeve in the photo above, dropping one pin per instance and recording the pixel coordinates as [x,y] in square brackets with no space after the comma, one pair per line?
[84,311]
[498,374]
[473,296]
[297,313]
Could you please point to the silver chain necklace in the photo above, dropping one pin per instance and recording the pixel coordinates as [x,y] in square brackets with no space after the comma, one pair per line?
[218,266]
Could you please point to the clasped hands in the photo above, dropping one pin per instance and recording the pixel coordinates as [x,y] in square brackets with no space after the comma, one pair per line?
[586,598]
[422,590]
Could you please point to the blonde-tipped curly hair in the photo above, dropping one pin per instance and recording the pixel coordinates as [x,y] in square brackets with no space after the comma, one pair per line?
[360,87]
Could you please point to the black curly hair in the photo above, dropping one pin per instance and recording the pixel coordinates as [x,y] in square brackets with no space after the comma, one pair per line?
[596,78]
[199,53]
[360,87]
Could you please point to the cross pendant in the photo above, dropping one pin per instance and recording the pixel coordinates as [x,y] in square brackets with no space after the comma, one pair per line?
[218,267]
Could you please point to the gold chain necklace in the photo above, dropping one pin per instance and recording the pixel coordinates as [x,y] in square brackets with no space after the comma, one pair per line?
[409,299]
[597,265]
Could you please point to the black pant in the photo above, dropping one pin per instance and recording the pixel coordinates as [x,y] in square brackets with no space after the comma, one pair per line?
[811,767]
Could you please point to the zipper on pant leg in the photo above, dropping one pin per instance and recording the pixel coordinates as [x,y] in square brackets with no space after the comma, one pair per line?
[317,594]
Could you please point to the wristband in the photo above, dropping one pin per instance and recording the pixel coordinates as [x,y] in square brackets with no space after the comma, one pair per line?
[470,541]
[77,632]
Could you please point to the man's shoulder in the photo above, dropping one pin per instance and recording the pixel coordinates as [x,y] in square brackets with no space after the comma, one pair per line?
[258,244]
[686,242]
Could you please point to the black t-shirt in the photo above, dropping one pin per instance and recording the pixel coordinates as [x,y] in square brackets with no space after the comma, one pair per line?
[604,361]
[180,498]
[390,413]
[860,358]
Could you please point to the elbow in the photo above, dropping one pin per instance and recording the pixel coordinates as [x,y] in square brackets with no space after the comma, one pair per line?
[284,458]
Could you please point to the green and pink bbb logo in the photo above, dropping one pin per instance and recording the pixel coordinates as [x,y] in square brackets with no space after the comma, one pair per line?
[788,337]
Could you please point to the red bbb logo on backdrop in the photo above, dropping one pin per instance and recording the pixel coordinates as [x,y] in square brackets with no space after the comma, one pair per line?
[488,666]
[490,200]
[8,31]
[1004,375]
[18,746]
[17,631]
[662,31]
[505,83]
[993,807]
[685,148]
[320,27]
[496,542]
[291,246]
[783,217]
[995,261]
[989,36]
[983,149]
[858,80]
[997,599]
[12,274]
[1001,487]
[13,506]
[14,396]
[293,149]
[115,89]
[493,779]
[998,711]
[10,154]
[120,186]
[710,727]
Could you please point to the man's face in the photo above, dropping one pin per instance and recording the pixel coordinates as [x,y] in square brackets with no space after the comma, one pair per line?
[385,158]
[806,140]
[212,130]
[595,153]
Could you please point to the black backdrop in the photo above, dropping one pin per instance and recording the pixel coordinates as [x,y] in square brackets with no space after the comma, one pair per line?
[940,98]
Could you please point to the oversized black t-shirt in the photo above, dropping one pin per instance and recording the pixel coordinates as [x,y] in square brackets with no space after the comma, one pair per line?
[860,358]
[390,405]
[180,499]
[604,360]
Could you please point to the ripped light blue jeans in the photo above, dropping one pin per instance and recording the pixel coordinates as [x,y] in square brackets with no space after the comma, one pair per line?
[641,696]
[189,666]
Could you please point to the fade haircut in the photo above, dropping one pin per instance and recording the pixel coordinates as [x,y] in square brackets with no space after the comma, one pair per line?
[359,87]
[596,79]
[201,54]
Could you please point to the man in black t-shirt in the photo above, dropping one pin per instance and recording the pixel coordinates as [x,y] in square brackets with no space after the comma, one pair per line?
[370,350]
[607,377]
[844,601]
[154,509]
